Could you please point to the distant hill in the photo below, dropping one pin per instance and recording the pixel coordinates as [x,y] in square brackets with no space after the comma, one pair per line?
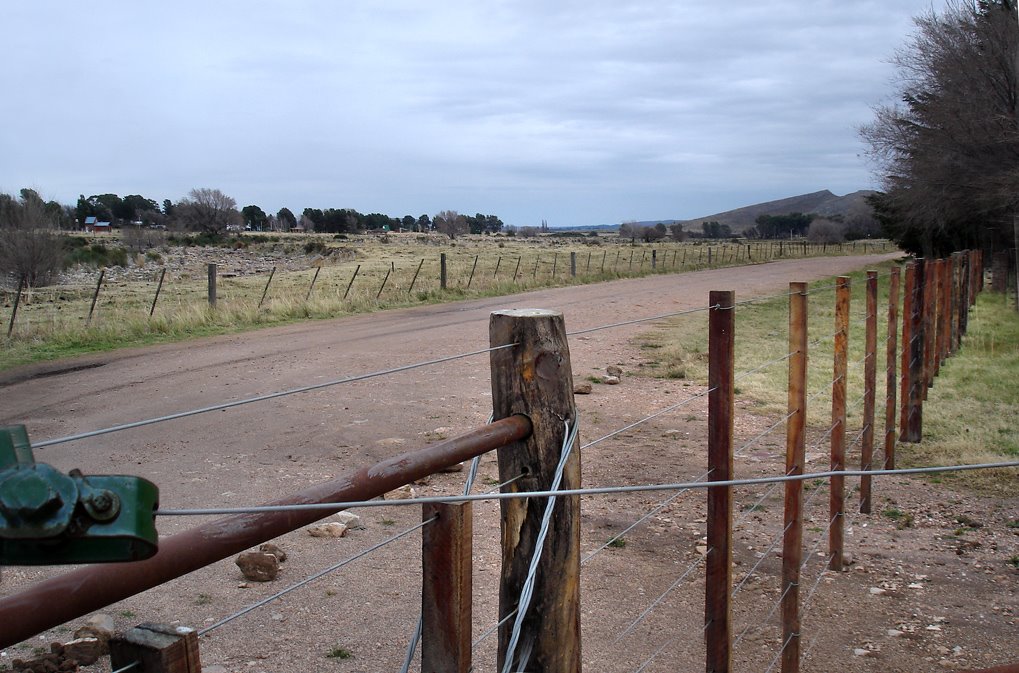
[823,203]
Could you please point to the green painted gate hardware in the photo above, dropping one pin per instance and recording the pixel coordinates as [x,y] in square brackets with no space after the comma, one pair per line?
[51,518]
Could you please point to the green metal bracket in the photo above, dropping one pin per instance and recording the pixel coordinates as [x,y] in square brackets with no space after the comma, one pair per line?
[51,518]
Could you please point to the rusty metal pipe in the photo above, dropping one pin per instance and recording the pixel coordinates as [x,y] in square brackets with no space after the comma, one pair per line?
[54,601]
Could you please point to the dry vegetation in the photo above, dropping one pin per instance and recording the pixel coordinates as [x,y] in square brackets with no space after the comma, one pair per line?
[322,276]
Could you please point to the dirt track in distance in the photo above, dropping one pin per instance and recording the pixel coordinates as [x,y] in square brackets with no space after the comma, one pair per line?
[256,452]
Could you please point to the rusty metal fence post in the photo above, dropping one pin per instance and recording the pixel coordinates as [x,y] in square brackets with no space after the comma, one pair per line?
[718,582]
[446,572]
[891,382]
[535,378]
[795,446]
[869,387]
[837,495]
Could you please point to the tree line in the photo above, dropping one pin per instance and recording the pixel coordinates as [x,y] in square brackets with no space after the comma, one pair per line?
[947,149]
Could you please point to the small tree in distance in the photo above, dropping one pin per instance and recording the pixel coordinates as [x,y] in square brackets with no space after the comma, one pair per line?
[207,210]
[450,223]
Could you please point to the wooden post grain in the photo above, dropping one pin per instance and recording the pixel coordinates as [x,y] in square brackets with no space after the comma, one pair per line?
[891,382]
[837,495]
[795,447]
[869,388]
[930,313]
[535,378]
[908,297]
[718,581]
[446,588]
[157,648]
[915,349]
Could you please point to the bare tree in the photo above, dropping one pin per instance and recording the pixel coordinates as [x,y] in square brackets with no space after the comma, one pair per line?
[207,210]
[948,154]
[30,248]
[450,223]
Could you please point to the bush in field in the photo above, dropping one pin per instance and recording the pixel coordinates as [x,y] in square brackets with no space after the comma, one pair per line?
[30,248]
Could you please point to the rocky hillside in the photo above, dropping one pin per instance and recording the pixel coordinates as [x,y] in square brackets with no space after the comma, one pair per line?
[823,203]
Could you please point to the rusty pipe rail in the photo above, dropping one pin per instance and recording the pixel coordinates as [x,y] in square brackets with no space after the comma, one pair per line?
[58,600]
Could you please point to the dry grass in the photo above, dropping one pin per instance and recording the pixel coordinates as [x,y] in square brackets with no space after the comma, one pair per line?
[354,274]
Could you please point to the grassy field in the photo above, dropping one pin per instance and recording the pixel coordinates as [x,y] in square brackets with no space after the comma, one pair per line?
[968,417]
[325,276]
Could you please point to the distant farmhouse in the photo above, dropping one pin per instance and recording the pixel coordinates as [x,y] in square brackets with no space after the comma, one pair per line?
[94,226]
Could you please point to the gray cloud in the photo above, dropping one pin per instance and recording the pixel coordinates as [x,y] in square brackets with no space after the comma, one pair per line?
[576,112]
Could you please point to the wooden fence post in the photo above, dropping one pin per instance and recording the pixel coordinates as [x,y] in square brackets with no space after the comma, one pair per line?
[930,312]
[891,382]
[418,270]
[442,271]
[939,325]
[837,495]
[910,421]
[795,446]
[869,387]
[446,568]
[964,278]
[159,287]
[157,648]
[999,272]
[573,263]
[473,269]
[95,296]
[17,302]
[267,282]
[718,582]
[654,259]
[535,378]
[212,285]
[312,286]
[351,283]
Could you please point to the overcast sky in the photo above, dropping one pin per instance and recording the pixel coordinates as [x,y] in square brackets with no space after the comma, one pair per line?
[576,112]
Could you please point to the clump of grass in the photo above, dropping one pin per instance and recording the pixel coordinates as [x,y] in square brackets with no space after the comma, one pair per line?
[902,519]
[338,652]
[617,543]
[203,599]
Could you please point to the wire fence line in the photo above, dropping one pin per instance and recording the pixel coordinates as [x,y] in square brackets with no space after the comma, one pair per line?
[596,490]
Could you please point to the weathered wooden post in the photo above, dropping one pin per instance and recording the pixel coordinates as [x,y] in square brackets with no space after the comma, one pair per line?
[718,581]
[535,378]
[267,283]
[473,269]
[964,278]
[312,286]
[869,388]
[442,271]
[156,648]
[939,324]
[795,447]
[930,310]
[417,271]
[908,296]
[446,588]
[95,296]
[573,263]
[654,259]
[891,350]
[913,357]
[212,285]
[17,302]
[837,494]
[999,273]
[351,283]
[159,288]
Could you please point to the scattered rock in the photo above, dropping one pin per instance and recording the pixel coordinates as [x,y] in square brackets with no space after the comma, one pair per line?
[877,591]
[402,493]
[861,652]
[100,627]
[270,548]
[894,633]
[330,529]
[258,566]
[85,651]
[610,380]
[215,668]
[349,519]
[459,467]
[582,388]
[613,370]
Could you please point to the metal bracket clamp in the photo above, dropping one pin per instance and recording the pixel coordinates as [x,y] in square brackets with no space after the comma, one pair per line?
[51,518]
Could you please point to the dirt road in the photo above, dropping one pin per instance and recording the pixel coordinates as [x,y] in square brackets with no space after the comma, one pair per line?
[914,600]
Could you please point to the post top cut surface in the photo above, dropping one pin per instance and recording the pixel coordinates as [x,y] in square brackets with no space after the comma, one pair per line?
[527,312]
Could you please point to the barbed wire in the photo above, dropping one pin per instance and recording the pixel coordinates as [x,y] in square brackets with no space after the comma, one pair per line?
[635,321]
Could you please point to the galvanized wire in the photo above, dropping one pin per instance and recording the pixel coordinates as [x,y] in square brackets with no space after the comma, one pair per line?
[636,321]
[526,592]
[314,577]
[659,600]
[262,398]
[598,490]
[653,416]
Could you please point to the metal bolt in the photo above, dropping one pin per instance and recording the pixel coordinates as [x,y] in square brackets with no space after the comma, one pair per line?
[28,495]
[102,502]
